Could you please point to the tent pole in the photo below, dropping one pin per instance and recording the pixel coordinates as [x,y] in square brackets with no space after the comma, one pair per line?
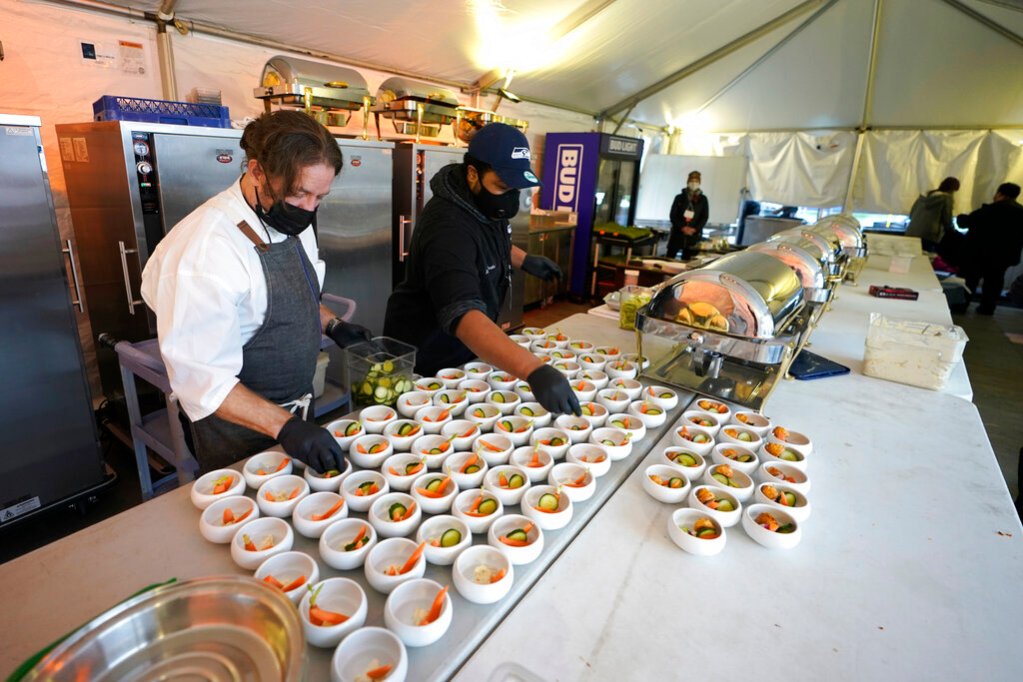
[712,57]
[987,21]
[622,120]
[868,104]
[165,50]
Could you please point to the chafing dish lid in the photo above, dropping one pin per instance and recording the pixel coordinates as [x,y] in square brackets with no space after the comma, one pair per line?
[289,71]
[398,88]
[848,236]
[745,294]
[805,265]
[820,247]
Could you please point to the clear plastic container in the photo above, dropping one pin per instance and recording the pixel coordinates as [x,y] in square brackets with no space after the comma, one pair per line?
[380,370]
[630,299]
[912,352]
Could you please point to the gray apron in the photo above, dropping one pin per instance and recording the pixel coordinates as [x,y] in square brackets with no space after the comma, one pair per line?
[279,361]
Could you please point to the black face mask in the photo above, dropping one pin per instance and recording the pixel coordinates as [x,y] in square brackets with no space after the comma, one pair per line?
[497,206]
[285,218]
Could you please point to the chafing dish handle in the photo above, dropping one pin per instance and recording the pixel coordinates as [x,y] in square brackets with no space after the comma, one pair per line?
[70,251]
[403,222]
[124,270]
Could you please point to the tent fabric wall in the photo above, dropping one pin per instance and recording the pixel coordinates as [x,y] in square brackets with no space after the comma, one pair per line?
[801,169]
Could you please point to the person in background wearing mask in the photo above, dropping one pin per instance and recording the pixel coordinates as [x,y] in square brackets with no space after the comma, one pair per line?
[689,213]
[993,244]
[931,215]
[459,268]
[236,291]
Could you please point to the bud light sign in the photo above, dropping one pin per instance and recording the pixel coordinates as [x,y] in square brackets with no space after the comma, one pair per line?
[566,190]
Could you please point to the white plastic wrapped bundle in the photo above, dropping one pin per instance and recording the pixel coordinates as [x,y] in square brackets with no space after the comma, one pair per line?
[912,352]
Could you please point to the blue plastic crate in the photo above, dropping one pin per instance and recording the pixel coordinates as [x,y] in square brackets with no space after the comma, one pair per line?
[114,108]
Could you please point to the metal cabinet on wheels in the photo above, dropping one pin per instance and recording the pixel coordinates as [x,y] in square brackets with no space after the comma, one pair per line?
[555,244]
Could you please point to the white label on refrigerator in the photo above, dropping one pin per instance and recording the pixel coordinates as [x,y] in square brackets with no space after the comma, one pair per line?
[67,149]
[81,149]
[15,510]
[19,130]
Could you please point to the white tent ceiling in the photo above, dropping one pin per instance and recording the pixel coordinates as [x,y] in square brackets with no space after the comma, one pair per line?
[936,66]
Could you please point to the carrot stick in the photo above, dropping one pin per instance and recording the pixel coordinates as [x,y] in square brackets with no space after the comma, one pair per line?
[468,433]
[412,560]
[437,607]
[297,582]
[323,617]
[579,482]
[270,580]
[393,472]
[476,505]
[497,576]
[528,527]
[408,512]
[330,512]
[360,536]
[378,673]
[284,463]
[249,544]
[535,461]
[489,446]
[502,480]
[228,517]
[361,449]
[223,485]
[294,494]
[468,463]
[513,543]
[440,489]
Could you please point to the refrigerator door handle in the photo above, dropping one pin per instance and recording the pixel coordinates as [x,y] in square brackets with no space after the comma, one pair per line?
[77,301]
[124,269]
[403,222]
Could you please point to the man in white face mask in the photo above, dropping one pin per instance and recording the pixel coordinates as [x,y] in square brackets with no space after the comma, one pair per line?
[689,213]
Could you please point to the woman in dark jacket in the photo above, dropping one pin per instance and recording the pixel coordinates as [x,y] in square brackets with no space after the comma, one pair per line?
[689,214]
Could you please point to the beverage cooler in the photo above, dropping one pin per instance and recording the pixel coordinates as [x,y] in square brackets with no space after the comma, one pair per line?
[51,446]
[596,175]
[129,183]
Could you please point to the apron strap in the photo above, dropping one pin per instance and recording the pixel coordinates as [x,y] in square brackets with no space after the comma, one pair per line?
[253,237]
[301,403]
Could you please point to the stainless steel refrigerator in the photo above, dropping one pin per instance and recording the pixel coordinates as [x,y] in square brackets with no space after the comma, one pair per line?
[129,183]
[414,167]
[51,448]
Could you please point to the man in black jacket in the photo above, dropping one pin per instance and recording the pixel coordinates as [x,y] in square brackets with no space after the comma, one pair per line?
[993,244]
[688,215]
[459,268]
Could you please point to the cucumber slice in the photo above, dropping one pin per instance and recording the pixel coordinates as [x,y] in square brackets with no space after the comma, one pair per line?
[450,538]
[547,502]
[745,458]
[436,451]
[787,528]
[720,478]
[705,532]
[445,398]
[789,456]
[790,499]
[497,397]
[507,426]
[528,412]
[356,545]
[471,469]
[434,485]
[516,481]
[366,487]
[353,429]
[518,534]
[725,506]
[487,506]
[406,429]
[745,437]
[396,511]
[685,459]
[675,482]
[411,468]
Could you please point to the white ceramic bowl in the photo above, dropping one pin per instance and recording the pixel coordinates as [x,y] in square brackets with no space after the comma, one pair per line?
[740,435]
[613,399]
[339,428]
[523,458]
[369,452]
[580,346]
[563,355]
[392,552]
[521,340]
[595,413]
[402,442]
[534,412]
[544,346]
[592,361]
[650,414]
[516,429]
[376,418]
[454,465]
[560,340]
[362,501]
[616,442]
[340,595]
[478,370]
[525,392]
[464,431]
[593,457]
[629,424]
[340,534]
[568,368]
[434,449]
[715,407]
[462,505]
[757,423]
[395,466]
[476,389]
[680,458]
[574,480]
[584,390]
[502,381]
[484,414]
[577,428]
[505,401]
[323,483]
[310,517]
[494,561]
[665,493]
[799,509]
[686,518]
[270,535]
[610,352]
[738,483]
[534,333]
[494,448]
[272,463]
[430,385]
[454,399]
[768,538]
[783,474]
[287,568]
[365,649]
[726,518]
[231,482]
[555,442]
[380,518]
[547,520]
[406,606]
[693,438]
[434,505]
[630,387]
[451,377]
[279,496]
[641,362]
[662,396]
[621,369]
[738,457]
[711,423]
[211,522]
[433,418]
[792,439]
[518,555]
[594,376]
[432,530]
[411,402]
[508,495]
[787,455]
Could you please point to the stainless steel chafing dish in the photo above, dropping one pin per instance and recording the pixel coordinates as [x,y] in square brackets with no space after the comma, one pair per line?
[415,108]
[470,120]
[328,93]
[826,250]
[727,330]
[806,266]
[853,246]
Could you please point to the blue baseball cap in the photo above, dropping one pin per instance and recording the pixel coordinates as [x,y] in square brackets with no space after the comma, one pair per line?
[505,149]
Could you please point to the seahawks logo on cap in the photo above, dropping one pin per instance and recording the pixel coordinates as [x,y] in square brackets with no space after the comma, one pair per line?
[529,176]
[520,153]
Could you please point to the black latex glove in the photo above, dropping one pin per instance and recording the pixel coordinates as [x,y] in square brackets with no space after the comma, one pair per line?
[542,267]
[551,389]
[311,444]
[348,334]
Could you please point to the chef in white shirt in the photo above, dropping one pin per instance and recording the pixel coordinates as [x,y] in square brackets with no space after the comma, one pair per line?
[236,291]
